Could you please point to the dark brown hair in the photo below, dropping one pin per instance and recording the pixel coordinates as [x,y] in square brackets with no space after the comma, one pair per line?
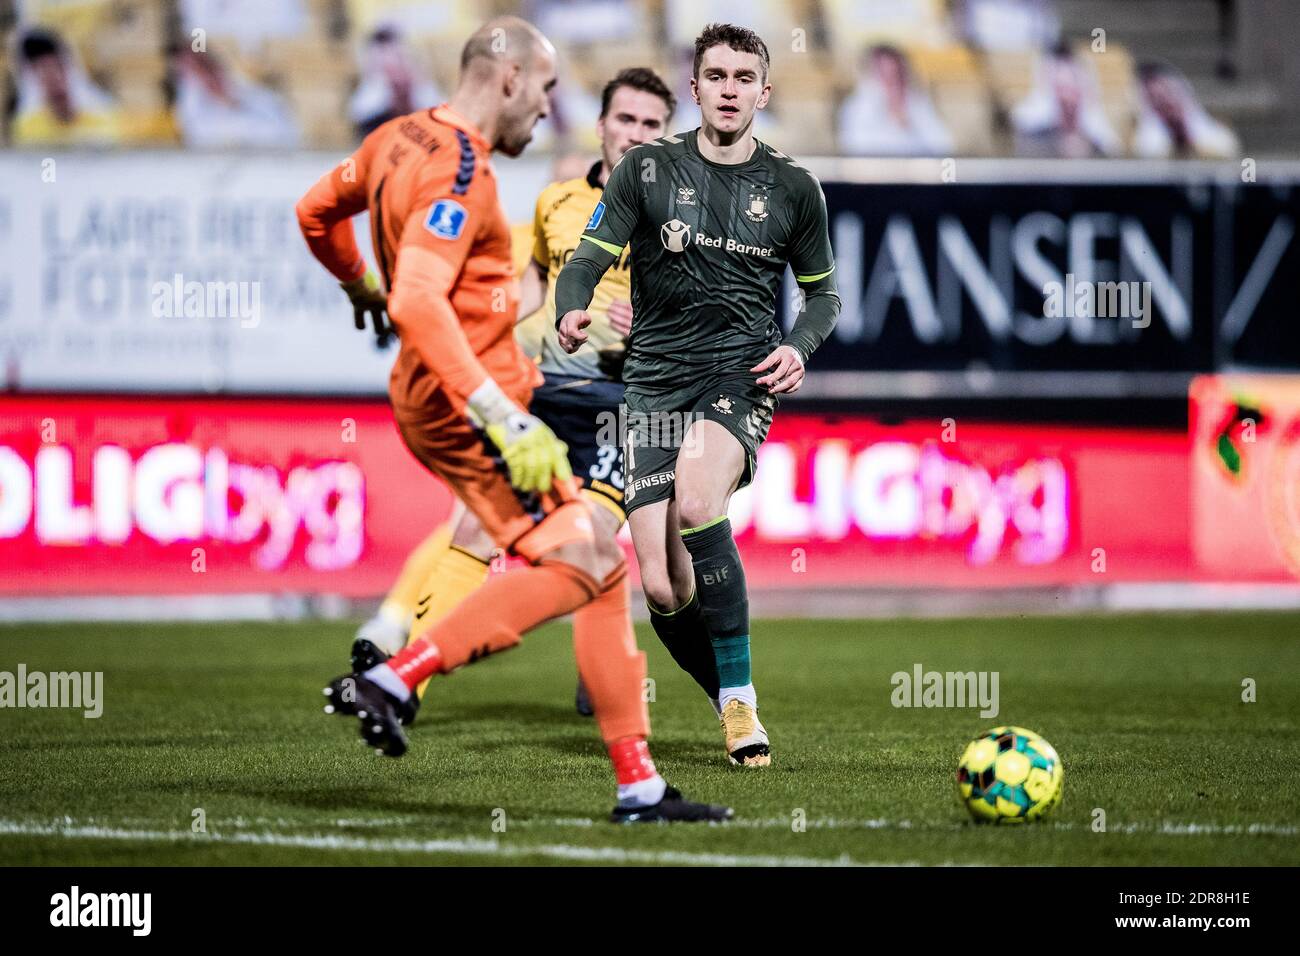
[738,38]
[638,78]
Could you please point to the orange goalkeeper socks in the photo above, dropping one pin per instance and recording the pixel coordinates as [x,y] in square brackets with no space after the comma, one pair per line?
[612,668]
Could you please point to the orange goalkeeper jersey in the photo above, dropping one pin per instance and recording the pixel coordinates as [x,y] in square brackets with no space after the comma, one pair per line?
[442,245]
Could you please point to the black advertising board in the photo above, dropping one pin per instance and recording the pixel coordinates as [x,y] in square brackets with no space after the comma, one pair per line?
[1087,277]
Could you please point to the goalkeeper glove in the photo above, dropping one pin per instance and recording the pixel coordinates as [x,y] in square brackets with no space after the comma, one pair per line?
[535,458]
[368,298]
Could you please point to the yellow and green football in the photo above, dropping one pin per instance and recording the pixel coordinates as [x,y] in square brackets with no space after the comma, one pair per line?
[1009,775]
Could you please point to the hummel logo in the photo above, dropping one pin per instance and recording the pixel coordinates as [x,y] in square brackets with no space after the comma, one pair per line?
[685,196]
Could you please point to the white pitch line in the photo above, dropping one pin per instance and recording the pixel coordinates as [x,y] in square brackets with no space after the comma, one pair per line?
[1167,828]
[1196,829]
[831,823]
[1163,829]
[465,846]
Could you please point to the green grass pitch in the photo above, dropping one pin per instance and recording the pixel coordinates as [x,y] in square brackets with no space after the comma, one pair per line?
[1145,710]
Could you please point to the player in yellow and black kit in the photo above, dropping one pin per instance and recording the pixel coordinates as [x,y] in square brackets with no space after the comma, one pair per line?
[582,391]
[580,399]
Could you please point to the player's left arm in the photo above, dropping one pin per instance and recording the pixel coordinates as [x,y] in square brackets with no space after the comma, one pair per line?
[813,265]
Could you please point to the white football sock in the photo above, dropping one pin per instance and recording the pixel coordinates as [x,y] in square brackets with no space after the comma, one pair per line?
[643,793]
[387,630]
[746,694]
[384,676]
[394,614]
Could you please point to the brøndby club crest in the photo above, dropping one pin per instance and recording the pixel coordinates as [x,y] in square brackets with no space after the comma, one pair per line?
[756,211]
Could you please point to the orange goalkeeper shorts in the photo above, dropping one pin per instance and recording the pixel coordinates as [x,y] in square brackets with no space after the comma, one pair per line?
[527,525]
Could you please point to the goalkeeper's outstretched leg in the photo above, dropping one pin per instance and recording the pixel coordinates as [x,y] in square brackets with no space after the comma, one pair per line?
[454,561]
[569,570]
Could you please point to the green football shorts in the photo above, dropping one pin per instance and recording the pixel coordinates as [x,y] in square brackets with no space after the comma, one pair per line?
[657,425]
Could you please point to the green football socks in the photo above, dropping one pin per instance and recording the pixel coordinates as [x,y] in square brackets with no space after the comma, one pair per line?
[723,597]
[685,635]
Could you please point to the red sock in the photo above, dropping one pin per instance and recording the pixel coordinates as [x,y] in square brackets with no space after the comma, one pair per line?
[631,759]
[415,661]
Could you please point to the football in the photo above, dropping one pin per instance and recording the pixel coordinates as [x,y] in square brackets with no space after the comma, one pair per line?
[1009,775]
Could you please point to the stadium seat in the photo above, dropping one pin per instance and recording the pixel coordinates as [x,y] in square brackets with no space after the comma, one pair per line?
[852,25]
[773,21]
[451,20]
[803,103]
[80,21]
[321,108]
[961,96]
[139,81]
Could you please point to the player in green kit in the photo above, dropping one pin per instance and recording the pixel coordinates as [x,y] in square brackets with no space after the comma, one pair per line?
[713,217]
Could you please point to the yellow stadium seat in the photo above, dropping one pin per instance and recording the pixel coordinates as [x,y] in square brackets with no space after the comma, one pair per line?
[138,82]
[448,19]
[852,25]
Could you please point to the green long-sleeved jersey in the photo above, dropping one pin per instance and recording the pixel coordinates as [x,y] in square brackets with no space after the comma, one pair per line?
[709,247]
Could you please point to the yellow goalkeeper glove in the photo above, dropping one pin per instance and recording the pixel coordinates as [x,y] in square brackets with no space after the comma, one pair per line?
[368,298]
[535,458]
[532,453]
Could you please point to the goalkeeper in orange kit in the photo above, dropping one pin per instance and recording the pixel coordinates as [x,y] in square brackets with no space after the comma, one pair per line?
[580,398]
[460,389]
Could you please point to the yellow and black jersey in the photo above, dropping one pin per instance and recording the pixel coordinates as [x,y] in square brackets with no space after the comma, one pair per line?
[563,212]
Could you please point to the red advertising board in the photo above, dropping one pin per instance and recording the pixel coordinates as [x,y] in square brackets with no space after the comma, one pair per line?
[160,496]
[943,503]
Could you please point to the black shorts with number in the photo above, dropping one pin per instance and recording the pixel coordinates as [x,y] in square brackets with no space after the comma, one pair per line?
[656,423]
[584,414]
